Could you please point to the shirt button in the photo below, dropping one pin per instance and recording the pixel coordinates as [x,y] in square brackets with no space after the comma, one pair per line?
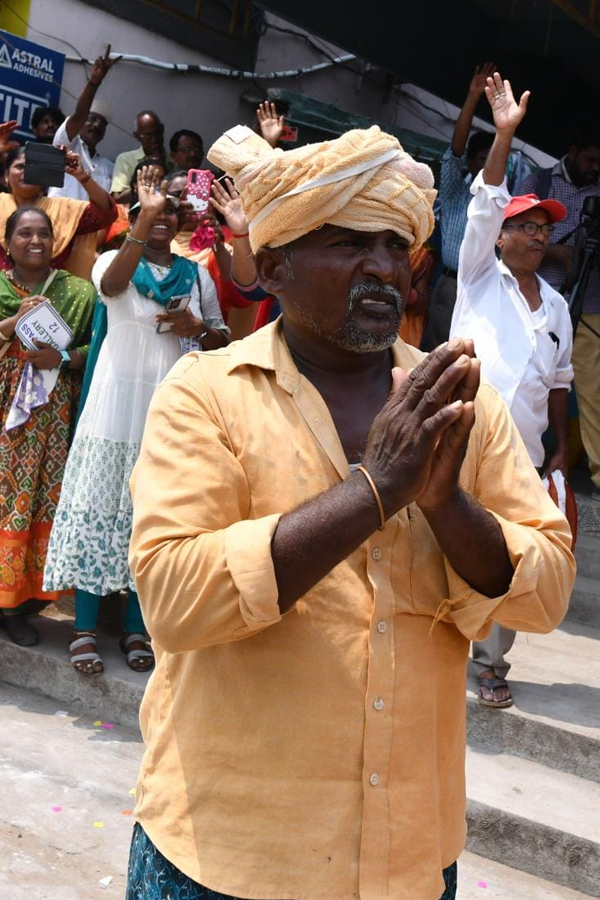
[378,703]
[381,627]
[376,553]
[374,779]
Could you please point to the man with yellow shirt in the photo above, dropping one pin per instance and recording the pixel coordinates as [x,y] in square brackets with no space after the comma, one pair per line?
[323,519]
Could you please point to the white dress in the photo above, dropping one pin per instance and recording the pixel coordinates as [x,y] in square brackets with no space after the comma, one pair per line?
[90,536]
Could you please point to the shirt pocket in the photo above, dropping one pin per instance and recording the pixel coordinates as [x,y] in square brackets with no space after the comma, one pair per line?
[545,358]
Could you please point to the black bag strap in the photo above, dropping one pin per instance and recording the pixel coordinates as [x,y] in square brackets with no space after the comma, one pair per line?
[543,180]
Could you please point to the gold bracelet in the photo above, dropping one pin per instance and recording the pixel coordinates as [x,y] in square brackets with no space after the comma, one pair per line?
[373,487]
[4,338]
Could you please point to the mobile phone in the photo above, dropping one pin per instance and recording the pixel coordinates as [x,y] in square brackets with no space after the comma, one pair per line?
[198,188]
[177,304]
[44,165]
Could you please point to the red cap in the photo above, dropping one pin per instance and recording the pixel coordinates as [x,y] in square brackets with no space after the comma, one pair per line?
[556,211]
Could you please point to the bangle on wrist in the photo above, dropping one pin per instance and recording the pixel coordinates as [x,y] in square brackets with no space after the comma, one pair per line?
[133,240]
[85,178]
[93,83]
[373,487]
[243,234]
[6,338]
[203,335]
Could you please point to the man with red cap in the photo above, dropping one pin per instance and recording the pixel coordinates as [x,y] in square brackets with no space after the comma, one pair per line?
[519,324]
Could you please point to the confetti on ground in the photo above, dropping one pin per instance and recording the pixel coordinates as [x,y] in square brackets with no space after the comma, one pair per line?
[97,724]
[132,791]
[61,712]
[107,725]
[104,882]
[482,884]
[98,824]
[57,809]
[126,812]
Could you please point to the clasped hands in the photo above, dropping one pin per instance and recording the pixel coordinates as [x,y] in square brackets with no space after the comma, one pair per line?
[419,439]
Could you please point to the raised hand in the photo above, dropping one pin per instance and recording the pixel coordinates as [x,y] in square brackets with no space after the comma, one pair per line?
[479,79]
[152,198]
[73,164]
[6,129]
[506,111]
[101,67]
[271,125]
[228,203]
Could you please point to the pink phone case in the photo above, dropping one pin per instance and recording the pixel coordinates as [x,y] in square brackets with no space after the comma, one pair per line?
[198,188]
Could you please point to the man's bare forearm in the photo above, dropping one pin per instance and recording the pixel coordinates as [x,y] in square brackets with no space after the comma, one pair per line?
[471,539]
[311,540]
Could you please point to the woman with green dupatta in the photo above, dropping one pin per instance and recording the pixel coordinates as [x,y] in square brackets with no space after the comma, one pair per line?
[142,341]
[39,393]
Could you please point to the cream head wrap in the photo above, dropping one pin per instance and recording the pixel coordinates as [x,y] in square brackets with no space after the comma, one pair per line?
[362,180]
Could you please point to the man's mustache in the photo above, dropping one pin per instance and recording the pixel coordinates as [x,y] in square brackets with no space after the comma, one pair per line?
[374,289]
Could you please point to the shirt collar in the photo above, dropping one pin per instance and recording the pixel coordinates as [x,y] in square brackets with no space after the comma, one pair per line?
[267,349]
[563,170]
[546,292]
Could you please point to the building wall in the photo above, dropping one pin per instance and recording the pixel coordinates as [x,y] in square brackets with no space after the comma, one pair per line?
[209,103]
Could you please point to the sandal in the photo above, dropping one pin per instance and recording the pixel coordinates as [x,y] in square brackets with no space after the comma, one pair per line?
[89,663]
[19,630]
[141,659]
[494,684]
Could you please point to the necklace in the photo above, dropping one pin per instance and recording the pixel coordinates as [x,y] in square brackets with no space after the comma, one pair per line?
[10,274]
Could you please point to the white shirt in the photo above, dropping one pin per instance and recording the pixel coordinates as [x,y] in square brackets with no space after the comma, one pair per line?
[523,354]
[99,167]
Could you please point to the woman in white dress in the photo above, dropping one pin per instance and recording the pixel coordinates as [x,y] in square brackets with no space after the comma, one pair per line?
[90,537]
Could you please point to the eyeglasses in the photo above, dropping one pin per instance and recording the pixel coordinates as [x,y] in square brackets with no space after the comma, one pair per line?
[531,228]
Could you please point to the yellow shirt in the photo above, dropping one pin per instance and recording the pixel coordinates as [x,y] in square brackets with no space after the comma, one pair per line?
[317,755]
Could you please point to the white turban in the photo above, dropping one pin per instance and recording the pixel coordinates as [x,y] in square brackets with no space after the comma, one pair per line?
[363,180]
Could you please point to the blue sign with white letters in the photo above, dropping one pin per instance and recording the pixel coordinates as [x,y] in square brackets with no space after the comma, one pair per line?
[30,76]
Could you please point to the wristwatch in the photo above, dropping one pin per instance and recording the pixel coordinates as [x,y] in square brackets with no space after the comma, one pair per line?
[65,361]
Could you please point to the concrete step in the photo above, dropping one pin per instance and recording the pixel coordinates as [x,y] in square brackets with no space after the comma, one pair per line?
[115,696]
[555,682]
[587,554]
[482,879]
[544,822]
[584,605]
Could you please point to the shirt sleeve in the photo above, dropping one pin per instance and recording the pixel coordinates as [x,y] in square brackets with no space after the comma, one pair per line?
[484,218]
[537,536]
[211,310]
[451,177]
[62,138]
[94,218]
[202,565]
[122,173]
[564,370]
[251,291]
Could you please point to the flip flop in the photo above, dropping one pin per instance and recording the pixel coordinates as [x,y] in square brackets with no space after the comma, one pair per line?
[137,655]
[494,684]
[91,659]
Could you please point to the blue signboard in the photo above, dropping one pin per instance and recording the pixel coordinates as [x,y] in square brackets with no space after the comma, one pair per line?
[30,76]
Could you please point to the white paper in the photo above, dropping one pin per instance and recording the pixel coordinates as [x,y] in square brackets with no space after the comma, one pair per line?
[43,323]
[239,133]
[105,882]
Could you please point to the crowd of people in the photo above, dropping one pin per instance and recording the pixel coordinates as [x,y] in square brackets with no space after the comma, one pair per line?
[132,217]
[254,492]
